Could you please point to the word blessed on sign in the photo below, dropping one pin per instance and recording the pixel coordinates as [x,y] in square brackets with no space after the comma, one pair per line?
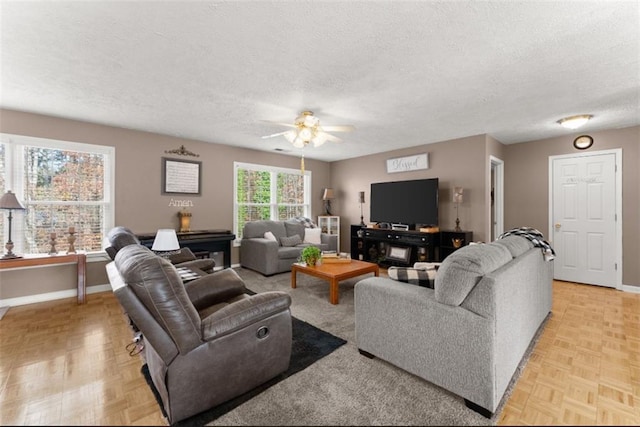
[409,163]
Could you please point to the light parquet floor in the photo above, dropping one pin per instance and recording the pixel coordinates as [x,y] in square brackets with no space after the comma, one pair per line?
[585,369]
[66,364]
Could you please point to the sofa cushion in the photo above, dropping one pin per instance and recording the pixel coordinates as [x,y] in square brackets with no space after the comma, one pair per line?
[290,252]
[312,235]
[290,241]
[253,229]
[517,245]
[464,268]
[294,227]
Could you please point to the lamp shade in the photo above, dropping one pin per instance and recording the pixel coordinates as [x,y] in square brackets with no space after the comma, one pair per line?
[361,197]
[457,194]
[10,201]
[166,240]
[328,194]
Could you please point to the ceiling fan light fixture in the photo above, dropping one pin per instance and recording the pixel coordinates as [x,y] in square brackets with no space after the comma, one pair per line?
[574,122]
[298,142]
[305,134]
[291,135]
[319,139]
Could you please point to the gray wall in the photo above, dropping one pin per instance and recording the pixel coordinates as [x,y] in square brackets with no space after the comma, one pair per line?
[461,162]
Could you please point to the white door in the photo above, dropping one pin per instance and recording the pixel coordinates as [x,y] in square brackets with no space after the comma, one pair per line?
[583,218]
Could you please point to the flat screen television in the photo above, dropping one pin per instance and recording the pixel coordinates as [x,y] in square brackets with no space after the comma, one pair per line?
[405,202]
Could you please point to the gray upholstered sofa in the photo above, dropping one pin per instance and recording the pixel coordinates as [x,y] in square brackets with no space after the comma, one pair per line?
[469,334]
[276,256]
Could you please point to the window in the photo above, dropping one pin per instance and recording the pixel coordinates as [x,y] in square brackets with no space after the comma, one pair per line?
[61,184]
[265,192]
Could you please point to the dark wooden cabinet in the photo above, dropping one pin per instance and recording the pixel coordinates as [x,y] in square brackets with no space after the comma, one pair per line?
[357,242]
[392,247]
[451,241]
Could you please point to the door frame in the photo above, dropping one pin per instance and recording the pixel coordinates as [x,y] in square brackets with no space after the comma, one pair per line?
[497,218]
[617,152]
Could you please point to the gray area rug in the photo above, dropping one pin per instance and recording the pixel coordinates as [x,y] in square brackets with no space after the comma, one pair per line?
[345,388]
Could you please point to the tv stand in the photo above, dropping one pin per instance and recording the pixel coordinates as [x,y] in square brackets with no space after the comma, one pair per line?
[383,246]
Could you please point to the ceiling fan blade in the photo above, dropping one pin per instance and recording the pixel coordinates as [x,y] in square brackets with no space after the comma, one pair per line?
[289,125]
[330,137]
[338,128]
[275,134]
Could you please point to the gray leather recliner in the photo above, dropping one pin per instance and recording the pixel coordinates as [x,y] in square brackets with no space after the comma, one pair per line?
[119,237]
[206,341]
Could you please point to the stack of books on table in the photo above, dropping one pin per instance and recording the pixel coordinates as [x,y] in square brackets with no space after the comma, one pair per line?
[333,258]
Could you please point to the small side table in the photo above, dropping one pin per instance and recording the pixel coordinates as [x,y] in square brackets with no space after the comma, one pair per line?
[34,260]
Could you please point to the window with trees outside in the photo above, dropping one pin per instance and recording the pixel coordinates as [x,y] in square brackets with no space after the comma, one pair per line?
[266,192]
[61,184]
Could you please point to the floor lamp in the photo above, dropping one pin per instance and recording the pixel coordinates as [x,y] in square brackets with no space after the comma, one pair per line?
[10,202]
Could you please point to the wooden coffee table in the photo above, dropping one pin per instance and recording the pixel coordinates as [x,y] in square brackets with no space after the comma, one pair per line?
[334,272]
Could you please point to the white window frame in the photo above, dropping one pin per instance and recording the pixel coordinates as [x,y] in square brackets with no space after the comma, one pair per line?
[273,202]
[14,166]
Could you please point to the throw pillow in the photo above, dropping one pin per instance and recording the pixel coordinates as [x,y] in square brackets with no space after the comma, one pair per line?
[312,235]
[307,222]
[290,241]
[414,276]
[269,236]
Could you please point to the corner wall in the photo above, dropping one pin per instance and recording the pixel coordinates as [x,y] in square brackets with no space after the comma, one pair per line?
[527,187]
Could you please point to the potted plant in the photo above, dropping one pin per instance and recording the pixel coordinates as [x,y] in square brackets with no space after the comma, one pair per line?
[310,255]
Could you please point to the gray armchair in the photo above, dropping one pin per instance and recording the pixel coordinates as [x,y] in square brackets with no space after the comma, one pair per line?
[206,341]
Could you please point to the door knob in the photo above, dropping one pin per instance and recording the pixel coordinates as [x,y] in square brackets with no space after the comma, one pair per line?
[558,225]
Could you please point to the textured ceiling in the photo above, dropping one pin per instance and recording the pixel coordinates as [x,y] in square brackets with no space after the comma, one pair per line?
[403,73]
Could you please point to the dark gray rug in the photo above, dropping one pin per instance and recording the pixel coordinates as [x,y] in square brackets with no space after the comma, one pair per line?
[345,388]
[309,345]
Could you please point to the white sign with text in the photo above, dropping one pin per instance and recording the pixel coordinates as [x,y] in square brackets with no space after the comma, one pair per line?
[409,163]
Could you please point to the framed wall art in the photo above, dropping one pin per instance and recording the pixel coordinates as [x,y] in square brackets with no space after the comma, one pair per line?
[181,176]
[397,253]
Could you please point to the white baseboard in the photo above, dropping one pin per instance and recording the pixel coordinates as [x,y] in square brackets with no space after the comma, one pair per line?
[50,296]
[631,289]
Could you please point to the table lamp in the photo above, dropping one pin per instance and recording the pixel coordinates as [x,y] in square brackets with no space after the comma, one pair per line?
[10,202]
[361,200]
[166,242]
[327,196]
[457,199]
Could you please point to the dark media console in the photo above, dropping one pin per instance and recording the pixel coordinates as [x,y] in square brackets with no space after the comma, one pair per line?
[392,247]
[403,248]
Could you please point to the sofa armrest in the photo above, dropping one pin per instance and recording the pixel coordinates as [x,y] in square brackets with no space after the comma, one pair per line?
[257,252]
[331,240]
[214,288]
[243,313]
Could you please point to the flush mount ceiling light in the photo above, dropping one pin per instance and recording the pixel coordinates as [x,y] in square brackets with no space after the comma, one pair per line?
[574,122]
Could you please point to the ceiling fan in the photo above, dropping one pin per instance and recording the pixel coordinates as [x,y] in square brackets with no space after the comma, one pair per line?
[307,129]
